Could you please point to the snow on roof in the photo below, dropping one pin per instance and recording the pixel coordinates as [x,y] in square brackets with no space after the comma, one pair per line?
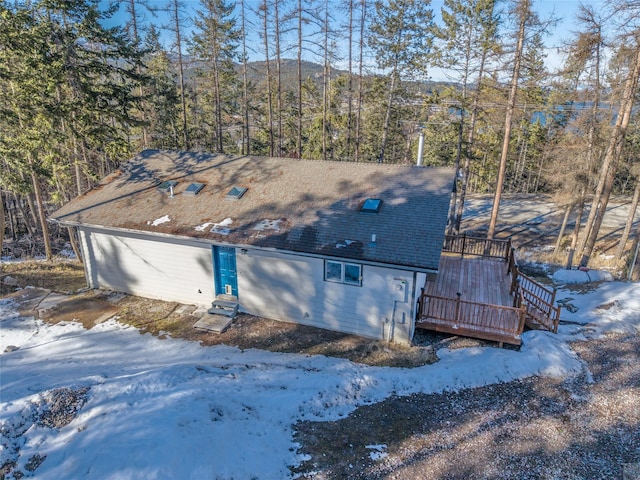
[292,205]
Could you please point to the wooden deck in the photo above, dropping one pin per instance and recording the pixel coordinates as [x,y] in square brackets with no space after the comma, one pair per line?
[480,280]
[471,297]
[484,294]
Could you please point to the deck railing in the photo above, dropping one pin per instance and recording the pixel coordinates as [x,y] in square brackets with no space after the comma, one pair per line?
[467,245]
[539,302]
[531,300]
[492,322]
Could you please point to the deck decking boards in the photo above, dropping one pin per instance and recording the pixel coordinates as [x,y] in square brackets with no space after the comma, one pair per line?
[472,295]
[479,280]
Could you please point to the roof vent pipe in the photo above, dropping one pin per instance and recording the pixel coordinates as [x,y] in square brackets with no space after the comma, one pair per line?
[420,148]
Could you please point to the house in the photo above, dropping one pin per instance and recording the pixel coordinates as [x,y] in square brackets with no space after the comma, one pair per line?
[336,245]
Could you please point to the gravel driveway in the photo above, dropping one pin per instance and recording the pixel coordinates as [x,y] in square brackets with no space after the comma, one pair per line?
[586,427]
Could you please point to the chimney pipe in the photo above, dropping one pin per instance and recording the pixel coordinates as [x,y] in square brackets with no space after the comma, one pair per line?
[420,148]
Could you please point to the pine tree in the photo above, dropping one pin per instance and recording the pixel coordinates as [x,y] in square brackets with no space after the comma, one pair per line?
[215,42]
[401,40]
[467,37]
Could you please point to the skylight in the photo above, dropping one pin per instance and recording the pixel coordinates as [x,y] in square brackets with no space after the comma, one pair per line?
[167,185]
[371,205]
[235,193]
[194,188]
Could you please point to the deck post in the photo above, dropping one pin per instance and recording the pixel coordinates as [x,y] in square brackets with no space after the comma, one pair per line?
[457,315]
[464,242]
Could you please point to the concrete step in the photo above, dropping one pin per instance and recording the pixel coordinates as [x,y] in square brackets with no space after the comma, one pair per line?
[213,323]
[226,305]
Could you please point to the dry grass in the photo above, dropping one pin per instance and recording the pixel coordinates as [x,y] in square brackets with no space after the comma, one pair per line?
[57,275]
[169,319]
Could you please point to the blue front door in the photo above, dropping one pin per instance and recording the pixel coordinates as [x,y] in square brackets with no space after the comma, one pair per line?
[226,276]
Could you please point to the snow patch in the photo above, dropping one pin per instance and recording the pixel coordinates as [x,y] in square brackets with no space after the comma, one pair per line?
[164,405]
[574,277]
[222,228]
[267,224]
[159,221]
[379,452]
[203,227]
[346,243]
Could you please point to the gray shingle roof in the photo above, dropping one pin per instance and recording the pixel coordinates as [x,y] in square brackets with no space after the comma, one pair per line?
[293,205]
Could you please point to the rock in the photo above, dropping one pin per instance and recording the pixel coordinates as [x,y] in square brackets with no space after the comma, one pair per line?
[10,281]
[11,348]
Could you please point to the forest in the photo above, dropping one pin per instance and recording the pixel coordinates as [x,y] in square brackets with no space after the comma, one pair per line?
[85,85]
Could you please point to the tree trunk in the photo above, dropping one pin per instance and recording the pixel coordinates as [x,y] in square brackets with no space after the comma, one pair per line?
[629,224]
[276,26]
[325,80]
[2,222]
[218,106]
[299,73]
[358,135]
[183,98]
[265,31]
[509,119]
[350,83]
[387,117]
[31,230]
[43,216]
[565,220]
[591,154]
[576,231]
[470,141]
[612,157]
[74,243]
[136,40]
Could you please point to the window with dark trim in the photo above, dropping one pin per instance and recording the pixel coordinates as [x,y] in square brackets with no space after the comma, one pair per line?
[343,272]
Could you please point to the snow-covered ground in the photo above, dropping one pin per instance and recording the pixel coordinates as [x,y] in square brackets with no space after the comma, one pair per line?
[163,409]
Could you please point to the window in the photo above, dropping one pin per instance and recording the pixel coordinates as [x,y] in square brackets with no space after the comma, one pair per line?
[194,188]
[167,185]
[235,193]
[342,272]
[371,205]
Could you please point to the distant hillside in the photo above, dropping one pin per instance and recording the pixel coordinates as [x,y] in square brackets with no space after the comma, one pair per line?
[289,73]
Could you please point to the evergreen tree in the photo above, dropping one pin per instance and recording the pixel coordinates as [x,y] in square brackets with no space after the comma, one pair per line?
[401,38]
[215,42]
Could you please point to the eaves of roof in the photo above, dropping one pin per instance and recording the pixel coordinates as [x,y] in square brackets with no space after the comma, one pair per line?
[303,206]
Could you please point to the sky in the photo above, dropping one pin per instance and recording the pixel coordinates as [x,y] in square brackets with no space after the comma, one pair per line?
[563,11]
[175,409]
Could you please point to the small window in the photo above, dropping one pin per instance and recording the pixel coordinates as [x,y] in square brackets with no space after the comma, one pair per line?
[194,188]
[352,274]
[167,185]
[371,205]
[333,271]
[236,193]
[342,272]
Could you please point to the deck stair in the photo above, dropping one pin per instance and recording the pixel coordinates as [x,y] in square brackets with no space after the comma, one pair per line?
[478,297]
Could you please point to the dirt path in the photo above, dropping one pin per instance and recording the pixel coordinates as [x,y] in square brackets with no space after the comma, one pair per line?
[534,220]
[538,428]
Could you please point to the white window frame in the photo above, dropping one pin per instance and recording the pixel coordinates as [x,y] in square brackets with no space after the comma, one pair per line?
[334,278]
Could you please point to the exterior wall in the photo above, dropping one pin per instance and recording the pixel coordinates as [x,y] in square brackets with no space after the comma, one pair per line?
[274,285]
[292,288]
[149,267]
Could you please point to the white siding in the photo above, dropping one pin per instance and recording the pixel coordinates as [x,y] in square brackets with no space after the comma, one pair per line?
[155,268]
[292,288]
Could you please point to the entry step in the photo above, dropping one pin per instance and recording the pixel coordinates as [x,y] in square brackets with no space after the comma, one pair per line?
[213,323]
[226,305]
